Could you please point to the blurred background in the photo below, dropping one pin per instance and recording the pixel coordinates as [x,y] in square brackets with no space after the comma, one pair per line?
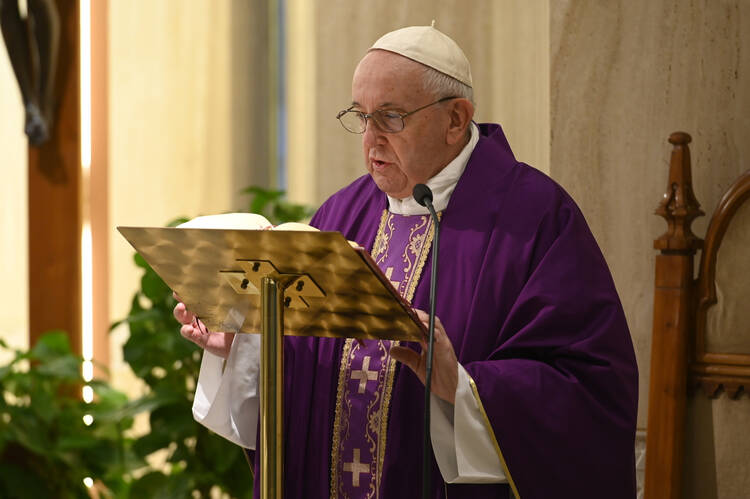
[170,108]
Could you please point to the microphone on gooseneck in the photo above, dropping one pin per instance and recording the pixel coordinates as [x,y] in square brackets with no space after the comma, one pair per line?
[423,195]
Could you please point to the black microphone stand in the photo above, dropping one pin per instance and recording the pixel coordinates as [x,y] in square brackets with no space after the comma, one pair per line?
[423,195]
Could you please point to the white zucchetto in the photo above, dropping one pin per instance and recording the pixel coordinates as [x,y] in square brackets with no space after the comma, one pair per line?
[428,46]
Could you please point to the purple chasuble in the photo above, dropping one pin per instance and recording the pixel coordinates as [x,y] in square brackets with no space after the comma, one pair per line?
[530,307]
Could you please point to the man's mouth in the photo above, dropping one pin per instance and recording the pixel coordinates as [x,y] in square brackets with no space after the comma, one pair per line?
[378,165]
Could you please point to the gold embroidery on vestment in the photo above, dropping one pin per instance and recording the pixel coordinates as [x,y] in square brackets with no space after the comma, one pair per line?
[411,284]
[414,245]
[377,420]
[337,420]
[380,241]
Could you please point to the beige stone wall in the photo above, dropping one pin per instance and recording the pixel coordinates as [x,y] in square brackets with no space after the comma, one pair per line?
[624,75]
[14,300]
[187,127]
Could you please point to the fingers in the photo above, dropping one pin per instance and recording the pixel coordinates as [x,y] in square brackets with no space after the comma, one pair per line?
[182,314]
[409,357]
[193,330]
[440,333]
[444,367]
[190,328]
[425,318]
[187,331]
[191,333]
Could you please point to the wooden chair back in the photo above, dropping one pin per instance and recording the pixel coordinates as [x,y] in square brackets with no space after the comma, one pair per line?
[685,355]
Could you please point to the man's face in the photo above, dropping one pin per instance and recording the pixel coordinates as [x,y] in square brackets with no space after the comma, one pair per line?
[399,161]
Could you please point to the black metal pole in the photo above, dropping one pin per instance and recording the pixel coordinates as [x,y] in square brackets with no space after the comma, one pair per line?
[426,468]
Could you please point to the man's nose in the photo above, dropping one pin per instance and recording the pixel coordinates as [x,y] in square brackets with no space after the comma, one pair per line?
[372,133]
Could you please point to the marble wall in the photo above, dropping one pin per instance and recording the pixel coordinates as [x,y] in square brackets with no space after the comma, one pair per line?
[14,299]
[624,75]
[187,123]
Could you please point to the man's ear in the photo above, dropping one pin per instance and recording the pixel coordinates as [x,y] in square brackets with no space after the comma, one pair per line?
[461,113]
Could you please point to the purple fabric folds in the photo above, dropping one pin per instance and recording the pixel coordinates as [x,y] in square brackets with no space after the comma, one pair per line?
[529,304]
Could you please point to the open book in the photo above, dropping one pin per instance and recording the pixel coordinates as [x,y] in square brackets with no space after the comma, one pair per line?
[246,221]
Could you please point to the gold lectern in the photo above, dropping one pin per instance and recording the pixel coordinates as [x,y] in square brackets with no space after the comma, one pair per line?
[276,283]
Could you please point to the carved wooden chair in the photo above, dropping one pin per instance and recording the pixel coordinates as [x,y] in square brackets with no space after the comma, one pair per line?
[698,435]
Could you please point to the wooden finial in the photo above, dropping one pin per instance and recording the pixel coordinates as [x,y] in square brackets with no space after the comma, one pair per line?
[679,206]
[680,138]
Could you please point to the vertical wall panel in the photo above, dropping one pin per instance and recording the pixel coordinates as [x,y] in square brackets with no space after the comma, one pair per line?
[54,183]
[188,127]
[14,299]
[624,76]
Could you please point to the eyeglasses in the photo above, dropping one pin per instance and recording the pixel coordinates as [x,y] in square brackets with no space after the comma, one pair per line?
[387,120]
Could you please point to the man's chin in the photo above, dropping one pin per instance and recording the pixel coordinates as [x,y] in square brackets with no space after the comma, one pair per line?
[397,194]
[398,190]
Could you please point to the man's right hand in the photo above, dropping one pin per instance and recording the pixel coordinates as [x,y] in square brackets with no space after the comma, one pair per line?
[214,342]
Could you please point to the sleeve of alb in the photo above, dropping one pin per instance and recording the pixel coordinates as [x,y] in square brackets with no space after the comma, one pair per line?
[226,399]
[461,440]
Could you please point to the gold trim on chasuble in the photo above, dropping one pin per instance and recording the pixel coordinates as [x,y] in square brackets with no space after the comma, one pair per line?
[413,258]
[487,423]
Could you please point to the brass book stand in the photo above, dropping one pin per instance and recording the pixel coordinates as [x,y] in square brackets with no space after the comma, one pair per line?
[276,283]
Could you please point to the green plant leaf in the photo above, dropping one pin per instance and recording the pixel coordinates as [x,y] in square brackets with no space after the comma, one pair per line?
[177,221]
[140,261]
[63,368]
[153,287]
[51,344]
[271,204]
[150,443]
[132,408]
[17,481]
[76,442]
[150,485]
[27,432]
[46,435]
[261,198]
[45,404]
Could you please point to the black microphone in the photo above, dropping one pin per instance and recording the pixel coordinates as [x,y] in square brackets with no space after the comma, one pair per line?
[423,195]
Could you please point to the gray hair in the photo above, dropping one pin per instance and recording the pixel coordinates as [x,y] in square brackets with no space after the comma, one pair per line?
[441,85]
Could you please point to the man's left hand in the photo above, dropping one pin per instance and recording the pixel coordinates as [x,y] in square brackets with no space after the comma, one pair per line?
[444,362]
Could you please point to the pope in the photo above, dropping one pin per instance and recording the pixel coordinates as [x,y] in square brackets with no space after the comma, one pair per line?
[534,375]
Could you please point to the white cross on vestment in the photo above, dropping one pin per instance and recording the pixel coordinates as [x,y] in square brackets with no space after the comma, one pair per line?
[355,467]
[388,274]
[364,375]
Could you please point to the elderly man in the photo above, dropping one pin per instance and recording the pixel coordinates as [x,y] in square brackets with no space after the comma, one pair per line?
[534,381]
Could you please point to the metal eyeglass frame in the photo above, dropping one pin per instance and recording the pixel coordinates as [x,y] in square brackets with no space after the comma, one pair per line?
[375,115]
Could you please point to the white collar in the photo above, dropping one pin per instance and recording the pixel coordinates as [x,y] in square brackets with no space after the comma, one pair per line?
[441,185]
